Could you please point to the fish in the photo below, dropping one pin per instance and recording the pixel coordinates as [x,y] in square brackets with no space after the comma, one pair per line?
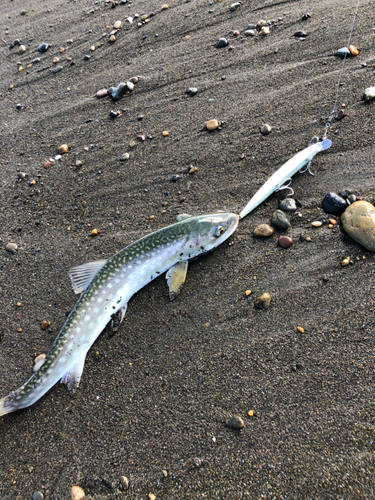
[285,172]
[106,287]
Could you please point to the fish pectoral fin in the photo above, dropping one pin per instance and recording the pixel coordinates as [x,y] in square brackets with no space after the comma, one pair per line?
[73,377]
[176,277]
[81,276]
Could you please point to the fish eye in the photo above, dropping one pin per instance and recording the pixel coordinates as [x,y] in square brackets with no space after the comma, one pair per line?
[219,231]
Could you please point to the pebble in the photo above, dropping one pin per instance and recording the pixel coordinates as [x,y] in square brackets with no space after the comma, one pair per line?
[280,220]
[285,241]
[300,329]
[192,170]
[234,6]
[151,496]
[266,129]
[165,7]
[117,92]
[316,223]
[43,47]
[263,301]
[345,193]
[250,33]
[223,42]
[264,31]
[369,94]
[94,232]
[345,262]
[251,27]
[55,60]
[11,247]
[306,16]
[165,133]
[288,205]
[353,50]
[130,86]
[342,53]
[57,69]
[36,60]
[134,79]
[261,23]
[351,199]
[112,39]
[212,125]
[124,157]
[77,493]
[45,324]
[78,163]
[113,114]
[235,423]
[117,25]
[263,231]
[102,93]
[175,178]
[21,49]
[333,204]
[58,157]
[300,34]
[192,91]
[236,33]
[125,482]
[38,495]
[63,148]
[70,41]
[86,57]
[359,222]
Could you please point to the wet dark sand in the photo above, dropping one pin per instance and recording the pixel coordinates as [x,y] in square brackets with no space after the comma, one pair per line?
[155,396]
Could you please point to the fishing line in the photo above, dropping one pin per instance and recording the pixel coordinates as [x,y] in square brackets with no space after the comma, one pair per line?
[328,124]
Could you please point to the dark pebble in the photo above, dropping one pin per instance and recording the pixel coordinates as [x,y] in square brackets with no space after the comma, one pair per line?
[43,47]
[285,241]
[223,77]
[175,178]
[113,114]
[57,69]
[334,204]
[86,57]
[325,280]
[280,220]
[345,193]
[117,92]
[38,495]
[288,205]
[235,423]
[16,42]
[342,53]
[351,199]
[300,34]
[36,60]
[192,91]
[263,302]
[223,42]
[19,106]
[140,118]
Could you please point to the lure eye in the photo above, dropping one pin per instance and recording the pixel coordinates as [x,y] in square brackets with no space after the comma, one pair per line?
[219,231]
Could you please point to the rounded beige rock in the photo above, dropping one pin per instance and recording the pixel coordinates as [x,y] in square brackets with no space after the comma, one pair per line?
[212,125]
[77,493]
[263,231]
[358,221]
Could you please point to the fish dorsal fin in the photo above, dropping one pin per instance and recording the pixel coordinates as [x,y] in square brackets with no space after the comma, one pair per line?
[176,276]
[181,217]
[81,276]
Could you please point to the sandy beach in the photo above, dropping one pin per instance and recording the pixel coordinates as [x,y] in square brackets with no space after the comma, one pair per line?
[154,397]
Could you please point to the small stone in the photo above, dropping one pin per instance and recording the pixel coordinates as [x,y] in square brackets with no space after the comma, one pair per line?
[288,205]
[125,482]
[300,34]
[280,220]
[141,138]
[264,31]
[94,232]
[86,57]
[102,93]
[112,39]
[130,86]
[57,69]
[300,329]
[43,47]
[369,94]
[113,114]
[353,50]
[63,148]
[248,292]
[191,91]
[117,92]
[234,6]
[151,496]
[165,7]
[165,473]
[124,157]
[117,25]
[342,53]
[223,42]
[212,125]
[55,60]
[351,199]
[175,178]
[36,60]
[340,115]
[45,325]
[70,41]
[260,24]
[250,413]
[21,49]
[345,262]
[19,106]
[77,493]
[333,204]
[134,79]
[251,27]
[47,164]
[11,247]
[235,423]
[192,170]
[316,223]
[165,133]
[359,222]
[58,157]
[345,193]
[333,222]
[38,495]
[266,129]
[285,241]
[78,163]
[263,231]
[250,33]
[236,33]
[92,48]
[263,301]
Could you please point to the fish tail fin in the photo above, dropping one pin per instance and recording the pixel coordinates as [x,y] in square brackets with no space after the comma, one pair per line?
[6,405]
[325,144]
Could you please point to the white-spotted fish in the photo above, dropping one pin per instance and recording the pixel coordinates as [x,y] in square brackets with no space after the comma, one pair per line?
[107,287]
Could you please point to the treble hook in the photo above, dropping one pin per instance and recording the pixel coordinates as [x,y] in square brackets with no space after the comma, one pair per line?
[307,169]
[285,186]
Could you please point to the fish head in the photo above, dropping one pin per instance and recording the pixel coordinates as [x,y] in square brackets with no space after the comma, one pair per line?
[206,232]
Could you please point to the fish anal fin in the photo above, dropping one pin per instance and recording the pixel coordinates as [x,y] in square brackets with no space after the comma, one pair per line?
[72,377]
[81,276]
[118,317]
[176,277]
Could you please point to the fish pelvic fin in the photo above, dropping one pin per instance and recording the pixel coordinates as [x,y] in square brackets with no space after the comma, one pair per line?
[176,277]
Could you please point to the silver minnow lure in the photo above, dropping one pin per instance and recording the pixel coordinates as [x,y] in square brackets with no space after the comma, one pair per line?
[107,287]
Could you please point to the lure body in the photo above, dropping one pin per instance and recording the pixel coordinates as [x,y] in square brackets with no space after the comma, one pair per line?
[107,287]
[285,172]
